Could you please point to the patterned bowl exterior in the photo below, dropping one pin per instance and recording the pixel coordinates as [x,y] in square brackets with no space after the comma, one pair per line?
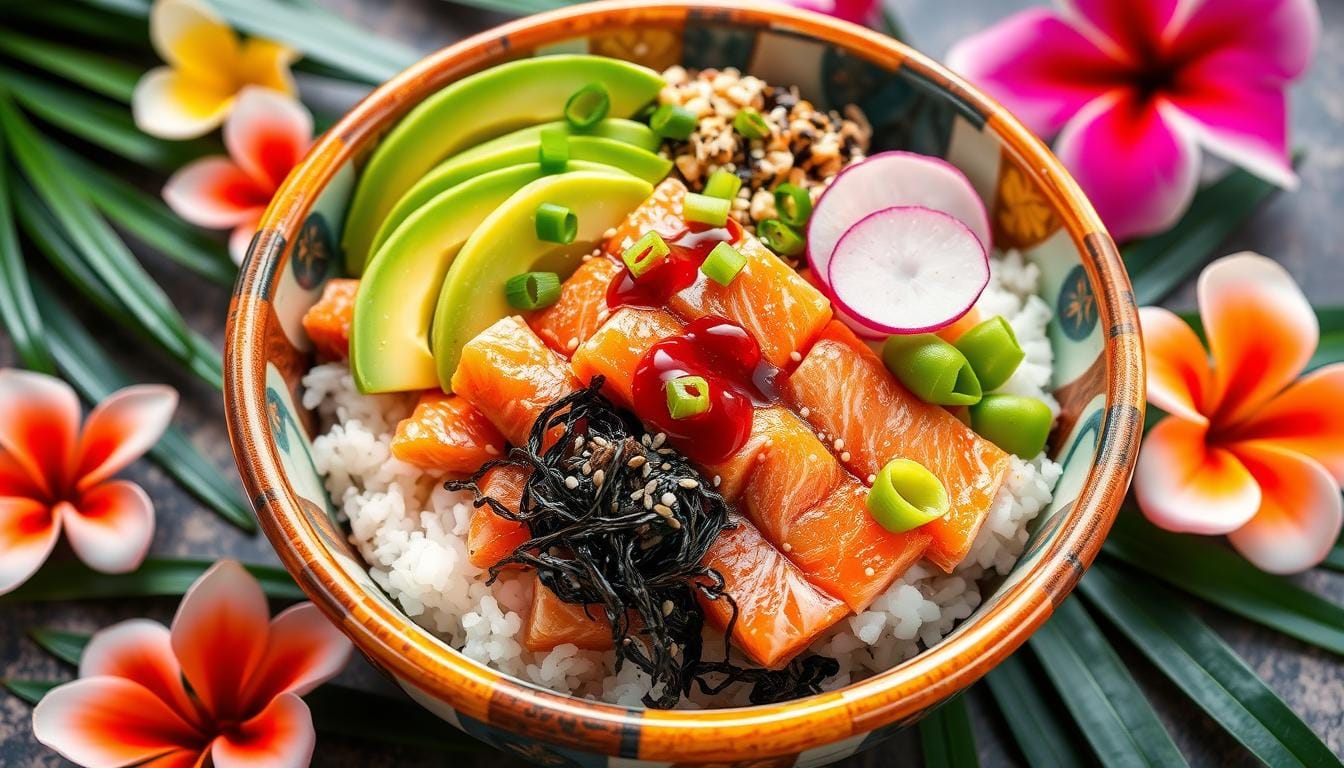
[913,104]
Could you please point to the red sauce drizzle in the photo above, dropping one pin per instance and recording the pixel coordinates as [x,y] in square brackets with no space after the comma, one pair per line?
[729,360]
[688,249]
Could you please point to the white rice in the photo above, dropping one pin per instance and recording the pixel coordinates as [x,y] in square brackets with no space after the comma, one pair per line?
[412,533]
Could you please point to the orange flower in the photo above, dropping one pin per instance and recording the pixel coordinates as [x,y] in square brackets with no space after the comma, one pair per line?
[54,477]
[243,672]
[1247,450]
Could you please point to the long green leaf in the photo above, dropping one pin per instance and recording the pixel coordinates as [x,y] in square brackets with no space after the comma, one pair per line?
[100,74]
[18,309]
[30,691]
[1201,665]
[1158,264]
[1215,573]
[156,577]
[1043,738]
[1108,705]
[199,356]
[64,645]
[1335,560]
[1331,347]
[946,737]
[85,365]
[75,20]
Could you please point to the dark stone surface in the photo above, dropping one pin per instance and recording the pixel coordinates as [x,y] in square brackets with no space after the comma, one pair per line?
[1302,230]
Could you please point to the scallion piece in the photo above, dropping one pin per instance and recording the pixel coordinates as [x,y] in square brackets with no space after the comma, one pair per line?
[792,204]
[554,150]
[704,209]
[751,124]
[1019,425]
[588,106]
[532,290]
[556,224]
[780,237]
[906,495]
[673,122]
[723,263]
[931,368]
[992,350]
[723,184]
[648,252]
[687,396]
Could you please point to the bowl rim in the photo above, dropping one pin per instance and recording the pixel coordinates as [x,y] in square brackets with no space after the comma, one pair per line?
[898,694]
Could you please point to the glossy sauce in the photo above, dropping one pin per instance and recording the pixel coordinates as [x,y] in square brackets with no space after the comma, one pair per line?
[687,250]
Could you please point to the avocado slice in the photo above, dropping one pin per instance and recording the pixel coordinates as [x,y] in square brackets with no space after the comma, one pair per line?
[476,108]
[389,337]
[506,244]
[458,168]
[615,128]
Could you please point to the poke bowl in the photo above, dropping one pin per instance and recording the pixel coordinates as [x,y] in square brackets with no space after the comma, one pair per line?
[613,379]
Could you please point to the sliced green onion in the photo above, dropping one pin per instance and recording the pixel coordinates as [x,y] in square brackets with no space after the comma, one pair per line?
[906,495]
[532,290]
[673,122]
[934,370]
[780,237]
[706,210]
[751,124]
[793,204]
[588,106]
[554,152]
[992,350]
[687,396]
[724,184]
[1016,424]
[556,224]
[648,252]
[723,263]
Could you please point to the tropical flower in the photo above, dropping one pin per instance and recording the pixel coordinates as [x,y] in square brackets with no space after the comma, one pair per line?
[1247,449]
[244,673]
[1130,91]
[54,477]
[266,136]
[207,67]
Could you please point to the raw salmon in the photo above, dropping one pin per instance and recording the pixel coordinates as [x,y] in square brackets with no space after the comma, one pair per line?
[510,376]
[491,538]
[768,297]
[553,622]
[580,310]
[615,348]
[327,322]
[446,433]
[846,393]
[779,613]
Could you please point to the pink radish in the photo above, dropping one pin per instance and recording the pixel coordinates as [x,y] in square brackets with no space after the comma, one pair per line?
[908,269]
[885,180]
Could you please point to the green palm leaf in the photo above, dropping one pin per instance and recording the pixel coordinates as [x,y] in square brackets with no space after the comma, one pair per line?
[156,577]
[66,646]
[18,309]
[1201,665]
[1042,736]
[946,737]
[30,691]
[100,74]
[1098,691]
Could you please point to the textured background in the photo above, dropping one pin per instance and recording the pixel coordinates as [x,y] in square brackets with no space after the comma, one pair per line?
[1302,230]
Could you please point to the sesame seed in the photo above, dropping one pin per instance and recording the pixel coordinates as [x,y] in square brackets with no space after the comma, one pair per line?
[637,495]
[578,443]
[665,466]
[667,607]
[645,439]
[649,486]
[665,451]
[811,457]
[598,477]
[571,482]
[787,547]
[659,439]
[844,456]
[872,479]
[636,462]
[674,523]
[804,412]
[686,482]
[869,572]
[663,510]
[717,480]
[587,468]
[669,499]
[648,501]
[491,450]
[839,444]
[647,469]
[760,457]
[795,357]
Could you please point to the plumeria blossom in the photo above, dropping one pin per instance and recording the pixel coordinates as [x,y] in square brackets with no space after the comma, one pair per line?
[208,66]
[1130,89]
[266,136]
[1247,449]
[239,707]
[54,477]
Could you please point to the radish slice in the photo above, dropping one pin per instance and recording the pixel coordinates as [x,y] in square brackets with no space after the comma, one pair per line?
[908,269]
[886,180]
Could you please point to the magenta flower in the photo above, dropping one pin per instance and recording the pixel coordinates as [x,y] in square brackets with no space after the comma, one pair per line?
[1130,89]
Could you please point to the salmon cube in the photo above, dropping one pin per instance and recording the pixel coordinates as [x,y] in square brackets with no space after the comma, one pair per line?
[327,322]
[446,433]
[552,622]
[615,349]
[511,377]
[580,310]
[491,538]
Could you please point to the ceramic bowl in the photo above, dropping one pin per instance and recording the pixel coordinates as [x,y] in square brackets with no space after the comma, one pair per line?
[913,104]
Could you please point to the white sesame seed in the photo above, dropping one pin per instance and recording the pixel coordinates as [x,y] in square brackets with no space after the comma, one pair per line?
[637,494]
[686,482]
[491,450]
[869,572]
[804,412]
[811,457]
[572,344]
[659,439]
[587,468]
[667,607]
[665,466]
[787,547]
[717,480]
[674,523]
[636,462]
[669,498]
[649,486]
[795,357]
[760,457]
[839,444]
[844,456]
[571,482]
[663,510]
[872,479]
[648,501]
[598,477]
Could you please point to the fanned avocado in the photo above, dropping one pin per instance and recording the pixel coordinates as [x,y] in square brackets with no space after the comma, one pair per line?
[473,109]
[506,244]
[615,128]
[389,338]
[633,160]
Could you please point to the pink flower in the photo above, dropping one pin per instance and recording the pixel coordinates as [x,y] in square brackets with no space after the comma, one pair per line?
[244,673]
[1247,449]
[1131,89]
[266,134]
[864,12]
[54,477]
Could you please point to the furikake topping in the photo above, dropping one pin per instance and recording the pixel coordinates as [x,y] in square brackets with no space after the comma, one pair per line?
[620,520]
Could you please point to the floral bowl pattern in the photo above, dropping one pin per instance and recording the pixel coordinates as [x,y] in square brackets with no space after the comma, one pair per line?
[913,104]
